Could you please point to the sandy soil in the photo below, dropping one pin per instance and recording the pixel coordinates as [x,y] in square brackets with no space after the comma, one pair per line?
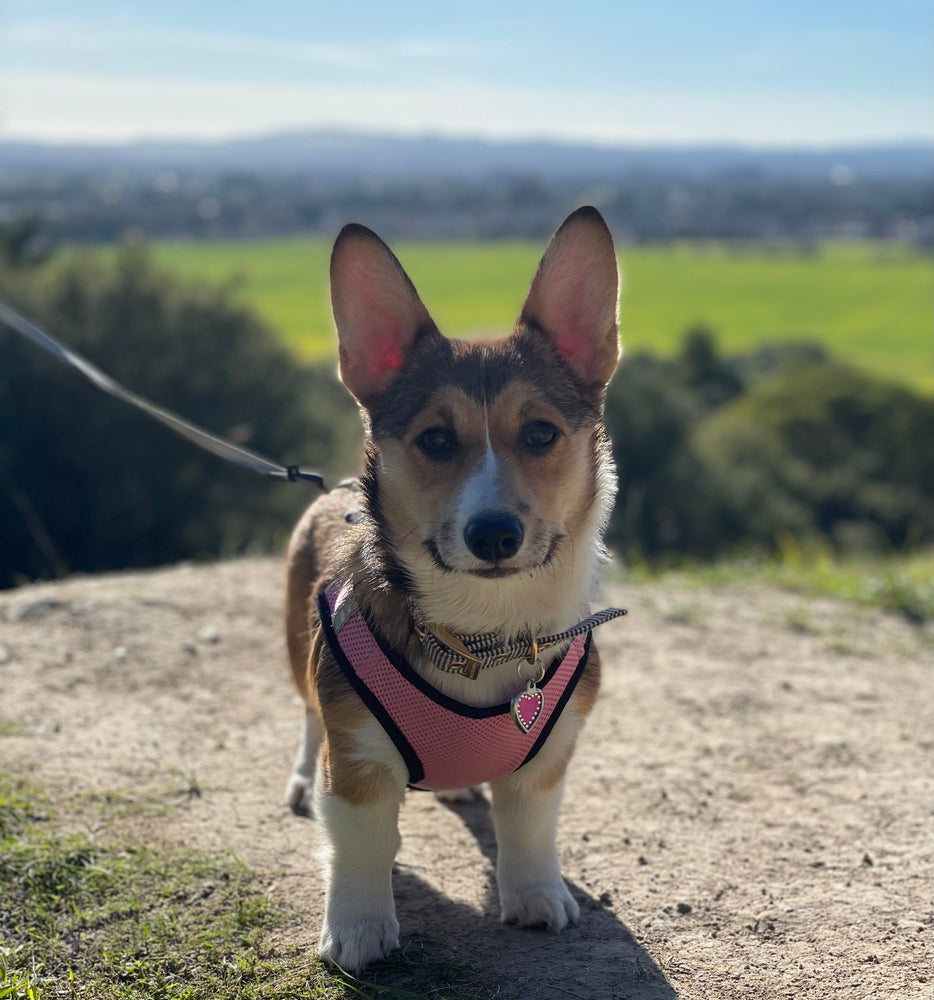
[748,813]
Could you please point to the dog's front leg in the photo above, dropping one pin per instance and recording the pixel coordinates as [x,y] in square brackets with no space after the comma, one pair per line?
[525,814]
[362,839]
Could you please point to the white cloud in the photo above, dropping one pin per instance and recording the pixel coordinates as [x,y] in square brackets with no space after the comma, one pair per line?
[87,107]
[43,42]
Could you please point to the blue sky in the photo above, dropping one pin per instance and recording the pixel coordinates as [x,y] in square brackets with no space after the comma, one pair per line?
[811,73]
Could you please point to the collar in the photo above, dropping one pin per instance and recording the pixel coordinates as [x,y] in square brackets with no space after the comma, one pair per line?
[467,655]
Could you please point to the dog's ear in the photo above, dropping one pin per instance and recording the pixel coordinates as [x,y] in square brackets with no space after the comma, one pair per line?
[574,296]
[377,311]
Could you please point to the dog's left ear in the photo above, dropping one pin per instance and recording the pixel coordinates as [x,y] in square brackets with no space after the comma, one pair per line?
[574,296]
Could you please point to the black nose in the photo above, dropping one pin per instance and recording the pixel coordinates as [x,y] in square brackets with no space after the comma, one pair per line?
[492,537]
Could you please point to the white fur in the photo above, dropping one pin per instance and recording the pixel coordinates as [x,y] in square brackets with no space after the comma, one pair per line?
[544,600]
[299,792]
[532,892]
[481,491]
[359,847]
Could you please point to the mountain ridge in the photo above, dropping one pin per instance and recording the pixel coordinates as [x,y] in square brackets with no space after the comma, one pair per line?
[374,156]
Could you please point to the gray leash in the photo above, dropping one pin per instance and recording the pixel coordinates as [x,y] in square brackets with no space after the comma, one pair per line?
[197,435]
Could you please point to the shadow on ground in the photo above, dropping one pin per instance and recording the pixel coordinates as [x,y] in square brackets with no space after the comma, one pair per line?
[597,960]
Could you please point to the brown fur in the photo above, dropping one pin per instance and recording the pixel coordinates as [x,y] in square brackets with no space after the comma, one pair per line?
[585,694]
[309,553]
[357,782]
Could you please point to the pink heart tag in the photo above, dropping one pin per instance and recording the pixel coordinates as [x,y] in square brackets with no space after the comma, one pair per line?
[527,707]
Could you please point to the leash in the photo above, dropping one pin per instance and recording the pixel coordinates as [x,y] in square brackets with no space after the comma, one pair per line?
[197,435]
[467,655]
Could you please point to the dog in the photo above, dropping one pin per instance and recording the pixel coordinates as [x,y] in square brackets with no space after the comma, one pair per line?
[419,598]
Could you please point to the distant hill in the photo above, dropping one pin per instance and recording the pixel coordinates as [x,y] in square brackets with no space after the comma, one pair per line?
[370,156]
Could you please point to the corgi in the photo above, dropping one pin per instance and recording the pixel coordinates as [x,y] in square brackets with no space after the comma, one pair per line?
[434,607]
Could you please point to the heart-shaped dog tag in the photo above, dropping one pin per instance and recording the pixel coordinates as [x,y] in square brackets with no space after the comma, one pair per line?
[527,707]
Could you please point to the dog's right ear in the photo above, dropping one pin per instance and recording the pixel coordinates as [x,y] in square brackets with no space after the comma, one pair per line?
[377,311]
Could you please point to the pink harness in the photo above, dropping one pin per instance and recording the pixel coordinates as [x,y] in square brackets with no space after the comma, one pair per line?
[445,744]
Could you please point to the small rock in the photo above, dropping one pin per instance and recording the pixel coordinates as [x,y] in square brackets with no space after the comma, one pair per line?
[867,859]
[684,908]
[209,635]
[121,652]
[5,654]
[190,648]
[31,610]
[643,860]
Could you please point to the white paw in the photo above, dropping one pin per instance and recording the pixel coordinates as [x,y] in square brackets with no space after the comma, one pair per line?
[299,794]
[549,905]
[353,944]
[460,794]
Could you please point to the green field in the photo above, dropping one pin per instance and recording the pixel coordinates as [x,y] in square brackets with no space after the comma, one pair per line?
[870,304]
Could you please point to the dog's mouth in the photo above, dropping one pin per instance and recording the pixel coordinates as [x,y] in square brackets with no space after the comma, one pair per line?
[496,571]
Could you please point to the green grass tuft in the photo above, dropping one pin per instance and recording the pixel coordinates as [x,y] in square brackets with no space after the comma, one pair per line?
[127,921]
[902,584]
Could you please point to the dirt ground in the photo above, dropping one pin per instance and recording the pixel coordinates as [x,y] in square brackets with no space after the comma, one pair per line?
[748,813]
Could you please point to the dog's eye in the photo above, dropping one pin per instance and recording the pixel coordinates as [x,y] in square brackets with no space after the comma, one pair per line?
[539,435]
[438,443]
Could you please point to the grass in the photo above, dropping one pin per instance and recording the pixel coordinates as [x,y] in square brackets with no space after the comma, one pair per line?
[902,584]
[868,303]
[120,920]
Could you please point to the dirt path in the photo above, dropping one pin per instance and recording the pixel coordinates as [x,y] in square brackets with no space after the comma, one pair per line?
[748,814]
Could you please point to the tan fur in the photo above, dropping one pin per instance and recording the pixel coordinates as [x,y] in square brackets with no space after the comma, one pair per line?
[585,694]
[550,491]
[554,775]
[357,782]
[310,550]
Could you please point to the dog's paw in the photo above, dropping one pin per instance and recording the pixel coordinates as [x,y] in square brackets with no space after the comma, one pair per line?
[549,905]
[353,944]
[299,794]
[470,794]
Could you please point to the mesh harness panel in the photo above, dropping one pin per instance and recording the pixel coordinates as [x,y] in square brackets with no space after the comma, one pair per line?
[444,743]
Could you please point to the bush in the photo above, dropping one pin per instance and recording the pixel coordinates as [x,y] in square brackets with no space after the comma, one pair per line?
[825,451]
[718,455]
[87,483]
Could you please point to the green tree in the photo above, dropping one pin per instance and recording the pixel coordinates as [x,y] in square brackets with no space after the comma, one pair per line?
[87,483]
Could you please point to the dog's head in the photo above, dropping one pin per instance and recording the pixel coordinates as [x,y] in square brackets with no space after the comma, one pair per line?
[487,461]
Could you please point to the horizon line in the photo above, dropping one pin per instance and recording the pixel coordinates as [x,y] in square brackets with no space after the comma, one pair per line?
[595,143]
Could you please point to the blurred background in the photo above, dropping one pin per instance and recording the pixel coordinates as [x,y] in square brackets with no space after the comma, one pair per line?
[171,177]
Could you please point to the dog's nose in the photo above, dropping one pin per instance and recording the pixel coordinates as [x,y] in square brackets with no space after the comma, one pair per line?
[492,537]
